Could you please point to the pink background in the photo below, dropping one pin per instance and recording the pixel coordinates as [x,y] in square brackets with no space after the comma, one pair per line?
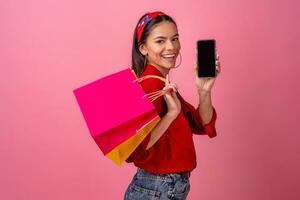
[50,47]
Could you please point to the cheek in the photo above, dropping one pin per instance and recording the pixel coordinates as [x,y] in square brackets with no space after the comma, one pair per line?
[155,56]
[157,53]
[178,45]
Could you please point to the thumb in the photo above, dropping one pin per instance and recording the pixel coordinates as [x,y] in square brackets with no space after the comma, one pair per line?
[167,80]
[195,66]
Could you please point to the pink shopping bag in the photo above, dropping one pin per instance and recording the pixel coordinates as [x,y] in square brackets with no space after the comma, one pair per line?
[114,108]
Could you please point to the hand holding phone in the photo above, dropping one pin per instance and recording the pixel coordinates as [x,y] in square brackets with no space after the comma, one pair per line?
[206,58]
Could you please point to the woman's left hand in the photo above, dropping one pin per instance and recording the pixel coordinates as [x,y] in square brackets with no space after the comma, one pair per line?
[205,84]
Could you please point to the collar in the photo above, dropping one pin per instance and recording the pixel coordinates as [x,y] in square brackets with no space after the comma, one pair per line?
[150,69]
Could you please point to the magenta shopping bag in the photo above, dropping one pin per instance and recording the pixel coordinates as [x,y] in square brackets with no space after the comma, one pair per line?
[114,108]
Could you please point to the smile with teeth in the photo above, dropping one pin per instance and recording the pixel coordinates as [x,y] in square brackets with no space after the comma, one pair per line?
[169,56]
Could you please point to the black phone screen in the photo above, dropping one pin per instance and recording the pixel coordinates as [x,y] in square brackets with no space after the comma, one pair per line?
[206,58]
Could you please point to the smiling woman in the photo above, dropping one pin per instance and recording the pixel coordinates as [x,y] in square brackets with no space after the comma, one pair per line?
[165,159]
[162,46]
[156,40]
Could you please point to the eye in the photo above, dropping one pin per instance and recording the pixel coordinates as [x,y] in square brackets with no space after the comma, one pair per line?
[159,41]
[175,39]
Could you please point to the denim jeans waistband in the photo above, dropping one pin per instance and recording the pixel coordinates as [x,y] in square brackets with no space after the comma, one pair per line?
[168,177]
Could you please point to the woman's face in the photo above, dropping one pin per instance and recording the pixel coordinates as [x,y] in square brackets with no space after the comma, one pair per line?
[162,46]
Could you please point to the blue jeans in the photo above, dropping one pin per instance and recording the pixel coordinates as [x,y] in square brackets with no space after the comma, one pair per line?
[146,186]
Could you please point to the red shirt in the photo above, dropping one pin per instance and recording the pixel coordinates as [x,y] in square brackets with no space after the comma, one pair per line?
[174,151]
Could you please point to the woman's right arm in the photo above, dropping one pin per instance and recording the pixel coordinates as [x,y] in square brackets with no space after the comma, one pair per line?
[159,129]
[174,107]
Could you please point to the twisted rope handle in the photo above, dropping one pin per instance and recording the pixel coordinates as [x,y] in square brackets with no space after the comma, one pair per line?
[150,76]
[153,95]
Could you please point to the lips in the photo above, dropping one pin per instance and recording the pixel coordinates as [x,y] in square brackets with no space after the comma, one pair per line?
[169,57]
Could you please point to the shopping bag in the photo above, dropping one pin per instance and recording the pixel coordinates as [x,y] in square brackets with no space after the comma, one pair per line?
[115,108]
[120,153]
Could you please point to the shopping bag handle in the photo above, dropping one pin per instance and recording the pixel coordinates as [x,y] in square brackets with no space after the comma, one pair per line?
[150,76]
[153,95]
[146,77]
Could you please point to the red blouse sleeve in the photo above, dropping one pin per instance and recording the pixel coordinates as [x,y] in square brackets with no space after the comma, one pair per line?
[149,85]
[195,120]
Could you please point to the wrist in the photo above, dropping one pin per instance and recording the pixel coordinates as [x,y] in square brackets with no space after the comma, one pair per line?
[203,92]
[170,117]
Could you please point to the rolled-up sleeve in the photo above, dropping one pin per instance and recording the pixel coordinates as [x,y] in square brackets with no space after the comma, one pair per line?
[196,122]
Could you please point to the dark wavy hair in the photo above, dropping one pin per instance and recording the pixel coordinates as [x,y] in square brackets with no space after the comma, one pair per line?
[138,59]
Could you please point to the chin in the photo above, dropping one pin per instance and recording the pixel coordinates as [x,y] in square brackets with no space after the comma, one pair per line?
[167,65]
[170,65]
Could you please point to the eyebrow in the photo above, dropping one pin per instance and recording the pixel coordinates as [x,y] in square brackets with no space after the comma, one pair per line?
[161,37]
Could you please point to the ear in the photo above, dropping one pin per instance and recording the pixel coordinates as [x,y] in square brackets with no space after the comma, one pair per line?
[143,49]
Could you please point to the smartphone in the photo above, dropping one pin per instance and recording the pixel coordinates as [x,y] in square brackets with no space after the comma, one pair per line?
[206,58]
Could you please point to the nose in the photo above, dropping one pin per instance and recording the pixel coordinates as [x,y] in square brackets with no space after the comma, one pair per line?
[169,45]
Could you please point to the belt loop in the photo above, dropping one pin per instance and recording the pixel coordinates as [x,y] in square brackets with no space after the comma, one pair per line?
[185,175]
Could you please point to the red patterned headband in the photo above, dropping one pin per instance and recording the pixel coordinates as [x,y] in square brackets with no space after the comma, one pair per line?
[144,21]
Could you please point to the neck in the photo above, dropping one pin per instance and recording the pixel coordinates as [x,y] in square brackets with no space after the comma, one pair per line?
[162,70]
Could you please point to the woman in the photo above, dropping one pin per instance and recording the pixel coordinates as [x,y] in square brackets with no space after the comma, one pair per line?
[165,159]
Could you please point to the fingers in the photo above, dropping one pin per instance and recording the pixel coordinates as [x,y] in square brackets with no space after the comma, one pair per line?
[170,89]
[169,99]
[218,69]
[170,92]
[173,86]
[169,86]
[195,65]
[195,68]
[167,80]
[170,96]
[218,65]
[174,95]
[167,83]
